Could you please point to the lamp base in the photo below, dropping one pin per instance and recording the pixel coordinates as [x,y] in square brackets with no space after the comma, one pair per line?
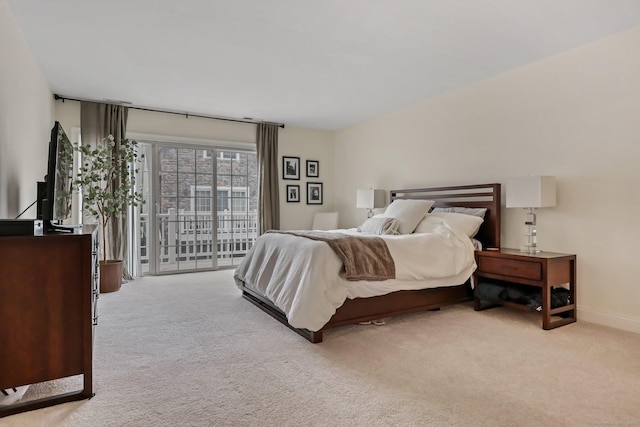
[530,250]
[530,233]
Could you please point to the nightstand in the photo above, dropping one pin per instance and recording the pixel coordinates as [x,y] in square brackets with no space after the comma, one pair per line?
[544,270]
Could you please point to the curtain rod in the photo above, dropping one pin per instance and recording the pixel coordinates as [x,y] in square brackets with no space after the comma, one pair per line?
[187,115]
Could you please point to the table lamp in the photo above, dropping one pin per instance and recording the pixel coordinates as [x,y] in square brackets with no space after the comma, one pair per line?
[531,192]
[370,199]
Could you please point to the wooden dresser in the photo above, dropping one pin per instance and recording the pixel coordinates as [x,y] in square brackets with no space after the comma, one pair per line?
[48,310]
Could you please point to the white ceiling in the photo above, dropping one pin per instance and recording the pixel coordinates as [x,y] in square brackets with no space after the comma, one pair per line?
[314,64]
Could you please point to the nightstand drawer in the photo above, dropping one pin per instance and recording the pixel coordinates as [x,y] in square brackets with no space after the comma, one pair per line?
[509,267]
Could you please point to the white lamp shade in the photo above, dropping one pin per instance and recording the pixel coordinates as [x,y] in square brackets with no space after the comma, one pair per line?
[370,199]
[531,192]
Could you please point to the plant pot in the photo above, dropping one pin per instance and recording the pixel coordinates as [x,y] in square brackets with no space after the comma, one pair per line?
[111,275]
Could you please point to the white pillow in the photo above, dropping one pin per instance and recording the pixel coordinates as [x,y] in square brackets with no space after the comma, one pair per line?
[408,212]
[428,224]
[379,224]
[468,224]
[467,211]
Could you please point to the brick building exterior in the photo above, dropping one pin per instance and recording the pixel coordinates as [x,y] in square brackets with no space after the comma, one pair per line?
[186,177]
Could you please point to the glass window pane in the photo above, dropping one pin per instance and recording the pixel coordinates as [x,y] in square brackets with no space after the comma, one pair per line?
[239,181]
[168,184]
[223,181]
[239,201]
[167,158]
[186,160]
[204,201]
[223,165]
[186,184]
[242,164]
[224,203]
[204,180]
[167,203]
[204,160]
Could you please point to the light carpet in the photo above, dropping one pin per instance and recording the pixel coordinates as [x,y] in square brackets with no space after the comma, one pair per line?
[187,350]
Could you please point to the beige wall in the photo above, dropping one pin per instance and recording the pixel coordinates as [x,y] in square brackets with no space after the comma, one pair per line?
[308,145]
[26,119]
[575,116]
[304,143]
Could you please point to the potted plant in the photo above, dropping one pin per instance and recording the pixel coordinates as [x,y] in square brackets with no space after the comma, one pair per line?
[106,179]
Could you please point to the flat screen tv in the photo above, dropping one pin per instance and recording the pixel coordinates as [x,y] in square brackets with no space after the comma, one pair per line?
[58,191]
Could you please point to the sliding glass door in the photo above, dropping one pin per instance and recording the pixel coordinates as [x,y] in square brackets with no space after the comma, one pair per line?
[202,209]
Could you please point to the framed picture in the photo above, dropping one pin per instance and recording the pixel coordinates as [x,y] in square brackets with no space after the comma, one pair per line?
[314,193]
[293,193]
[313,168]
[290,167]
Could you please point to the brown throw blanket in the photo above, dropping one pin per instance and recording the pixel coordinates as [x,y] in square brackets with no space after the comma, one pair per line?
[364,258]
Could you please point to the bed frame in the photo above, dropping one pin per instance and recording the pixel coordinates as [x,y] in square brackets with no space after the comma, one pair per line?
[402,302]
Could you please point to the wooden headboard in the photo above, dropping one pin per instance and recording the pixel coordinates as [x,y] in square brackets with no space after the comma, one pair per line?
[471,196]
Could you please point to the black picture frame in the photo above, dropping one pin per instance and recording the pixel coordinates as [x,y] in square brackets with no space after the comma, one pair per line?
[290,167]
[313,168]
[314,193]
[293,193]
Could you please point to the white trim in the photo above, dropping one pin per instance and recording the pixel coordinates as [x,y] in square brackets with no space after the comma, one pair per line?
[220,154]
[148,137]
[607,319]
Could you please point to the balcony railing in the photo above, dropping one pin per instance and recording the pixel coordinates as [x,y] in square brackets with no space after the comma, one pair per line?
[188,240]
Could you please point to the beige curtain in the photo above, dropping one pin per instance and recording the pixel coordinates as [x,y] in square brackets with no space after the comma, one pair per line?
[97,121]
[268,185]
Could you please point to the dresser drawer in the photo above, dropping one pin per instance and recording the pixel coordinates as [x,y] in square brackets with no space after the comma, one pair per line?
[509,267]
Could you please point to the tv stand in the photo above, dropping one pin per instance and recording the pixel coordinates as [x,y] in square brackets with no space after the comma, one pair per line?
[48,301]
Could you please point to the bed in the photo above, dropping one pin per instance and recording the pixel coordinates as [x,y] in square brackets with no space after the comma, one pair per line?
[351,303]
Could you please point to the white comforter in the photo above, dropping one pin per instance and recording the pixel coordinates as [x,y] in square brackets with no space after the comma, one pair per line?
[303,277]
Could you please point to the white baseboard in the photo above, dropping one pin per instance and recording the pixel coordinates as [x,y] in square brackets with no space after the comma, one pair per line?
[612,320]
